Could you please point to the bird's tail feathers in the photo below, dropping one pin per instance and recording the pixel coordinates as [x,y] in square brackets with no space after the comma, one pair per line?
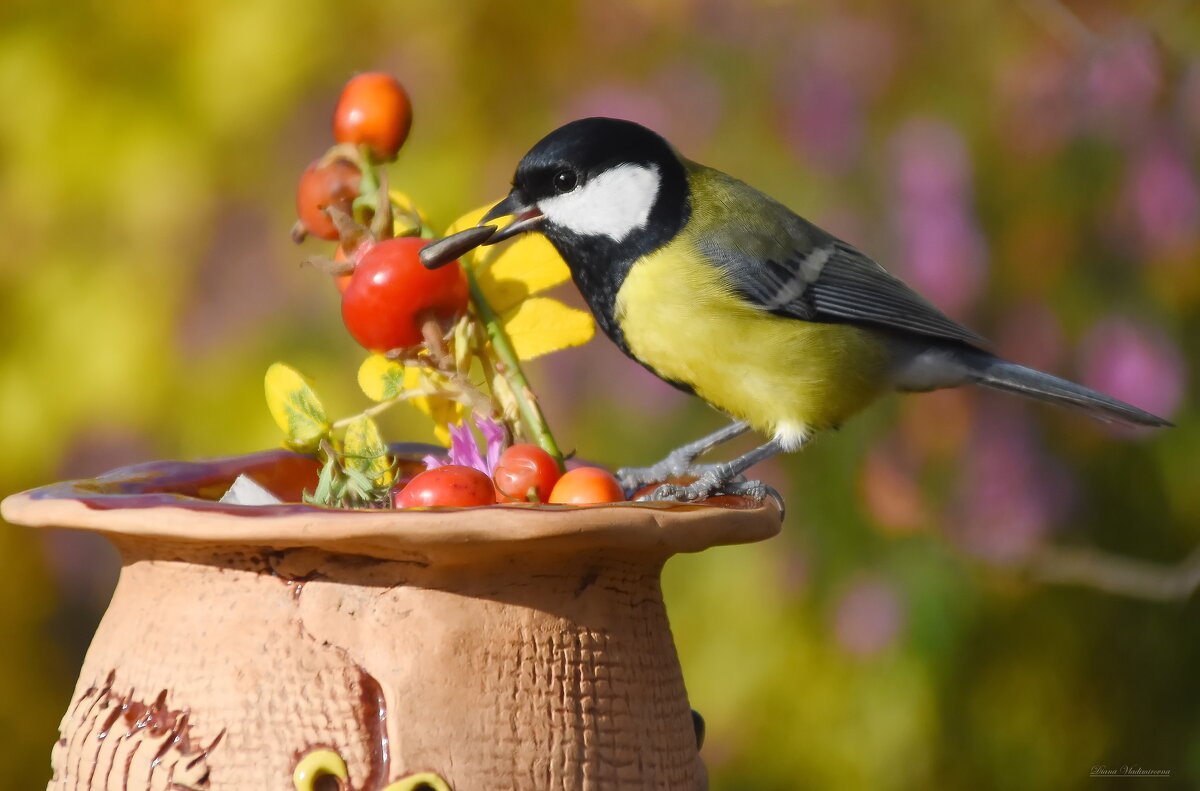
[1001,374]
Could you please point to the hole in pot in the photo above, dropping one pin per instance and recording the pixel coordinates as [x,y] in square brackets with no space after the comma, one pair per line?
[327,783]
[422,781]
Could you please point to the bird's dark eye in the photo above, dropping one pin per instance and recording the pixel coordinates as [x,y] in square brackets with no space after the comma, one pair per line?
[565,180]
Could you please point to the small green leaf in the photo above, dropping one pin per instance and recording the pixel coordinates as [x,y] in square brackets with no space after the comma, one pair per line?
[323,494]
[295,407]
[357,484]
[381,378]
[365,453]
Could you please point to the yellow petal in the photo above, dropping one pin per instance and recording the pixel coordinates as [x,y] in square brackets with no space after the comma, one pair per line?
[444,412]
[295,407]
[469,219]
[541,325]
[514,269]
[407,217]
[381,378]
[517,269]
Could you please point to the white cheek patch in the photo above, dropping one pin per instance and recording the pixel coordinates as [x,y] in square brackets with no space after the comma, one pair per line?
[614,204]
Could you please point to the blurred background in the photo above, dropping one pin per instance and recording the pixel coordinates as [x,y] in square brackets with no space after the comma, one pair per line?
[970,591]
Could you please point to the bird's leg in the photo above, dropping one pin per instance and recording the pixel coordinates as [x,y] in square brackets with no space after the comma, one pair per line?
[680,462]
[720,478]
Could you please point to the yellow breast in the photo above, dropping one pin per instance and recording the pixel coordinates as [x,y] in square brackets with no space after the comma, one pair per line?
[786,377]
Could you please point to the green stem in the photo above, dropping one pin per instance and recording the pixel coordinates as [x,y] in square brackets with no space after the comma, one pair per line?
[367,205]
[383,406]
[535,421]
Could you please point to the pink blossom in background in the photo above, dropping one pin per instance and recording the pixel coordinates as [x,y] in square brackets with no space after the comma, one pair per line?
[830,139]
[942,253]
[932,165]
[1121,81]
[1047,97]
[621,101]
[1188,100]
[826,88]
[694,100]
[1010,493]
[1032,335]
[756,27]
[827,85]
[1163,197]
[1135,362]
[681,101]
[1034,100]
[863,49]
[869,617]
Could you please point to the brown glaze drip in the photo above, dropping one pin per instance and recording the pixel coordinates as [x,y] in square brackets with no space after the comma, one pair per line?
[155,720]
[373,714]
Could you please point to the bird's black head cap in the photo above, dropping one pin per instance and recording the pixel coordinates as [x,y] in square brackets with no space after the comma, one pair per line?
[606,192]
[587,148]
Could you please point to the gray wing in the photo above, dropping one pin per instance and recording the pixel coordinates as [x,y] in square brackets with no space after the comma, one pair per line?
[786,265]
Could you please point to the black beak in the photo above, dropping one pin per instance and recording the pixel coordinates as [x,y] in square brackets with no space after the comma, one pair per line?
[527,217]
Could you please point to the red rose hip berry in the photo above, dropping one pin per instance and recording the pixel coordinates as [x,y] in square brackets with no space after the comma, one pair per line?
[587,486]
[450,485]
[321,186]
[525,473]
[391,295]
[374,110]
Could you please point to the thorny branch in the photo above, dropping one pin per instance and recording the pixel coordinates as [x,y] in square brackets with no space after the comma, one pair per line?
[1115,574]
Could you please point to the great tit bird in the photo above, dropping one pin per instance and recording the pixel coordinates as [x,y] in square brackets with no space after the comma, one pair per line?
[725,293]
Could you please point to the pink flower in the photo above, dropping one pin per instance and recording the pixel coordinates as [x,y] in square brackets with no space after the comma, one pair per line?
[942,252]
[1121,82]
[1164,198]
[830,139]
[681,101]
[869,617]
[464,450]
[1037,112]
[1010,493]
[1134,362]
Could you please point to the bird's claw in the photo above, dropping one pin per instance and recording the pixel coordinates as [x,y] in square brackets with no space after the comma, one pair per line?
[710,485]
[674,493]
[634,478]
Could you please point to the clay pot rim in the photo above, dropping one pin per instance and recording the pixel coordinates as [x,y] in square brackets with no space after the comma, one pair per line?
[148,501]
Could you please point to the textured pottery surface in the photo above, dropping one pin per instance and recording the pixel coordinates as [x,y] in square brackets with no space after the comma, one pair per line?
[506,647]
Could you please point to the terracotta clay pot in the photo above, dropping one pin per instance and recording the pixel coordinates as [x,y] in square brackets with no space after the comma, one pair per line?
[274,647]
